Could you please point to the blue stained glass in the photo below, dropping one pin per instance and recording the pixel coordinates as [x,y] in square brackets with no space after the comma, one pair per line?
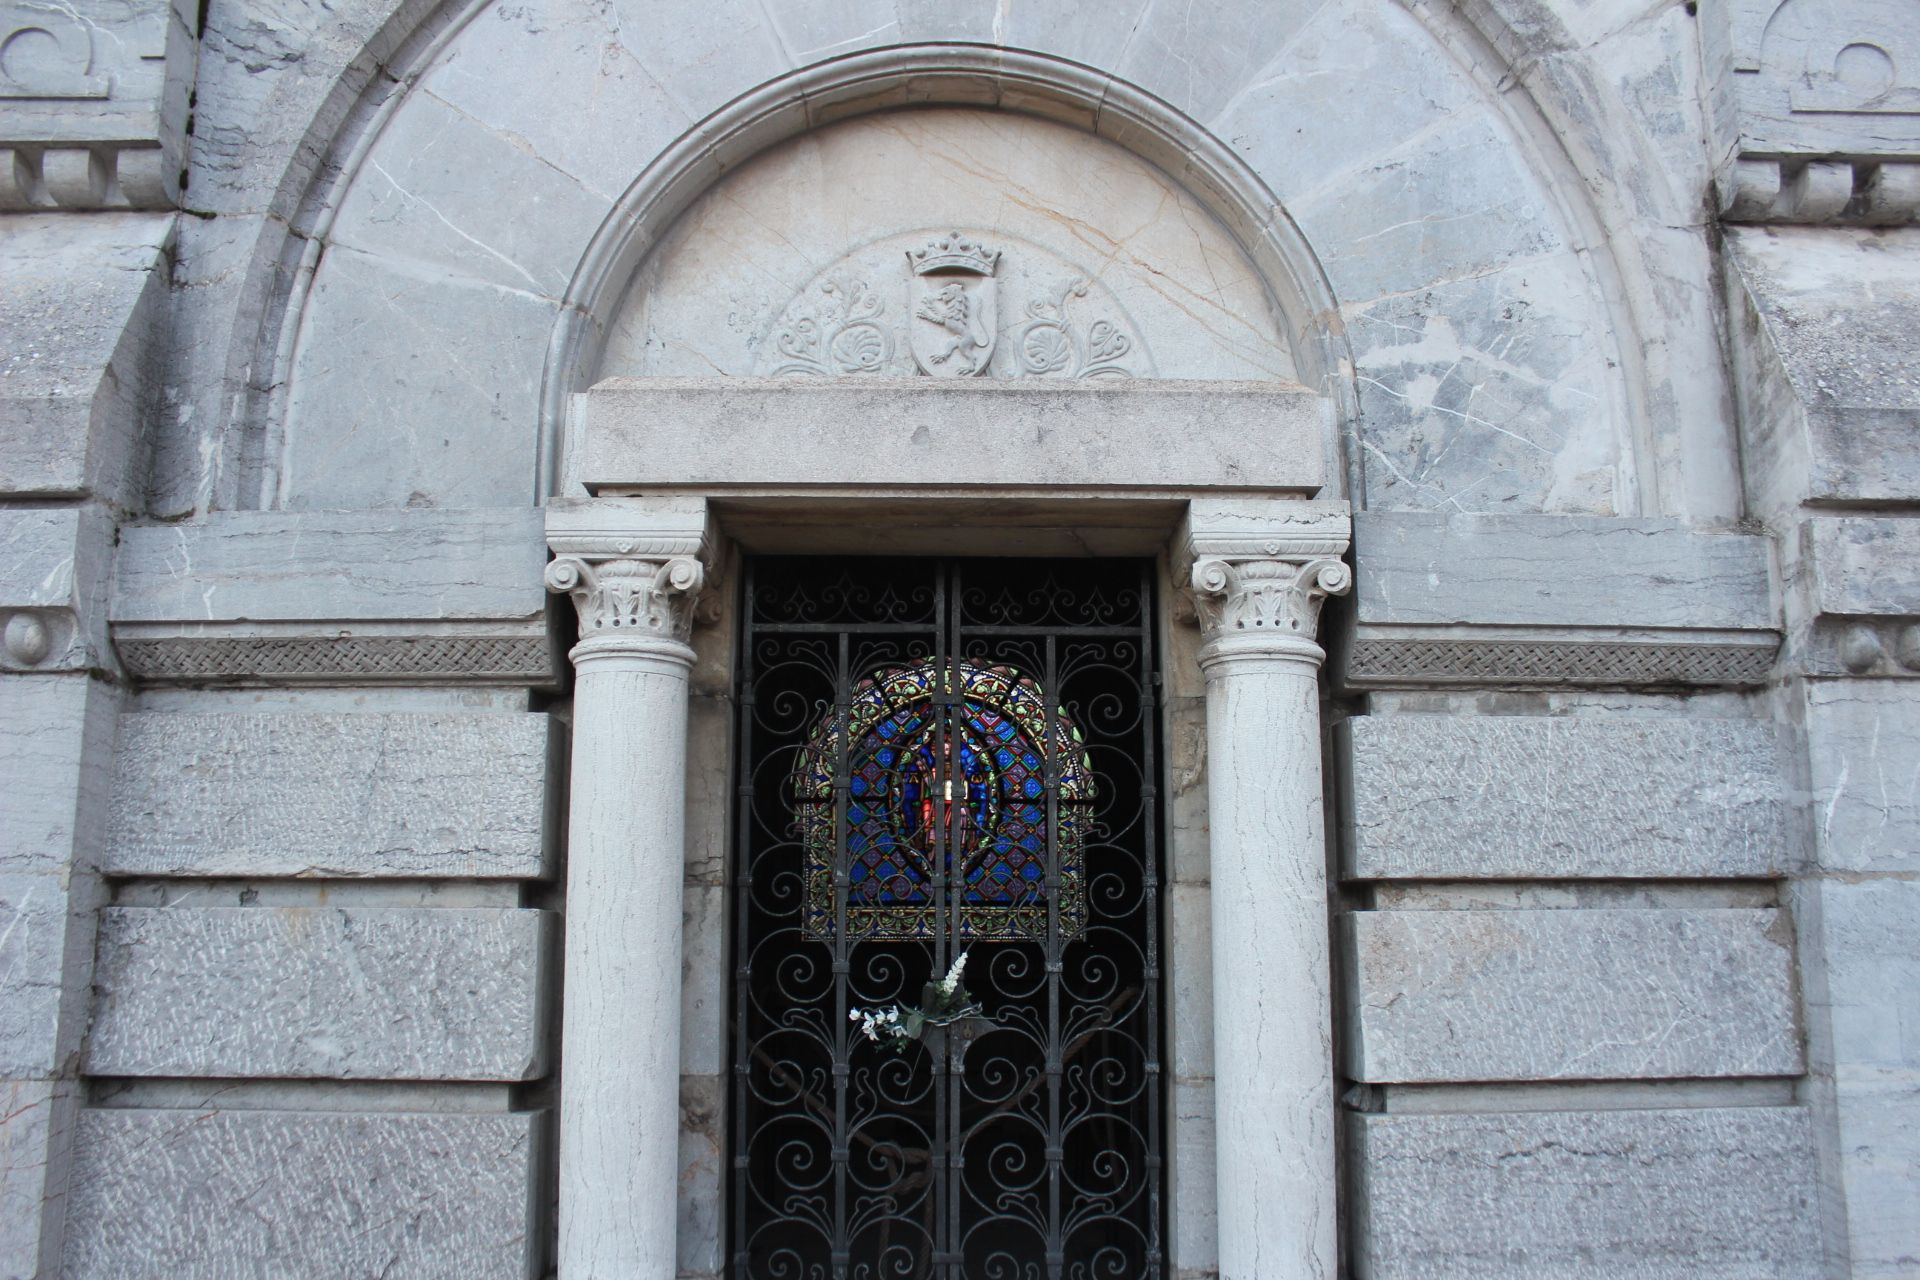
[969,806]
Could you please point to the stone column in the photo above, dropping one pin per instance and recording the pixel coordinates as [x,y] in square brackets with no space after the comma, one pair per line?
[1260,571]
[635,571]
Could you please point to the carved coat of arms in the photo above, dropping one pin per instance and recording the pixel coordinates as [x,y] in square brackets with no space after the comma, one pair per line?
[951,305]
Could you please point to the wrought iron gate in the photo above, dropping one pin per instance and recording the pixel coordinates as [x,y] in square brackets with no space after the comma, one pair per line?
[938,758]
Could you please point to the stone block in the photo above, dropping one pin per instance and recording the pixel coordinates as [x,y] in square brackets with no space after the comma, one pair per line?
[1869,974]
[414,596]
[809,433]
[54,566]
[1423,569]
[200,1195]
[1195,1213]
[1440,996]
[76,320]
[35,1118]
[1827,374]
[335,565]
[350,993]
[44,945]
[1861,565]
[1547,797]
[1695,1194]
[1879,1170]
[56,748]
[330,794]
[465,383]
[1862,740]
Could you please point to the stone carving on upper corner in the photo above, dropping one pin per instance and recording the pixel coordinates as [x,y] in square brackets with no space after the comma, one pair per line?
[1279,597]
[1824,100]
[969,309]
[47,52]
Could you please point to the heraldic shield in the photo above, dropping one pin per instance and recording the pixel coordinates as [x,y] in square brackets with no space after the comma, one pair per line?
[951,304]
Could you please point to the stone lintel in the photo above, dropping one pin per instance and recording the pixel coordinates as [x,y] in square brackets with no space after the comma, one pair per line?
[902,436]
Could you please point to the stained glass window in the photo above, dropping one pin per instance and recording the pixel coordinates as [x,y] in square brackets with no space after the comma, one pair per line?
[987,797]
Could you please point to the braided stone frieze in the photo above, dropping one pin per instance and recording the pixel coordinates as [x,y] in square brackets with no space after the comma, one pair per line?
[1387,661]
[523,659]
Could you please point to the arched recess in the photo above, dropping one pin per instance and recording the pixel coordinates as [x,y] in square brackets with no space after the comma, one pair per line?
[1448,282]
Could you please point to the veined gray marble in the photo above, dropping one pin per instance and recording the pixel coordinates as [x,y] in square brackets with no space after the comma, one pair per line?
[1721,1194]
[362,993]
[1864,739]
[348,794]
[1569,995]
[1552,797]
[281,1194]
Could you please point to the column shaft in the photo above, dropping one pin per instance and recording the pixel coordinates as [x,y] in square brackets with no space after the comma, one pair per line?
[620,1042]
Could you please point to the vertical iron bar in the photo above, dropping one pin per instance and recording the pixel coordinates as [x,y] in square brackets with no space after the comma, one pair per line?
[1150,886]
[842,1035]
[1050,707]
[939,1194]
[742,904]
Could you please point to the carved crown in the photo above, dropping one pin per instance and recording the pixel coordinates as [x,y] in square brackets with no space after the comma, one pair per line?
[954,252]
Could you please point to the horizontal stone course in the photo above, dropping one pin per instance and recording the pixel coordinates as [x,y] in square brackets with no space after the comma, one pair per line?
[1569,995]
[1416,568]
[1706,1194]
[341,993]
[1862,565]
[330,794]
[1459,797]
[480,563]
[208,1195]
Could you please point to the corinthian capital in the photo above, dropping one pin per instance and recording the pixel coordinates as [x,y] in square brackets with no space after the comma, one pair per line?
[634,568]
[1263,567]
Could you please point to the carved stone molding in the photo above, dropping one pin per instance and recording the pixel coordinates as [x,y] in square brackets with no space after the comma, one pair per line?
[93,103]
[1411,657]
[1263,568]
[525,657]
[635,569]
[1818,105]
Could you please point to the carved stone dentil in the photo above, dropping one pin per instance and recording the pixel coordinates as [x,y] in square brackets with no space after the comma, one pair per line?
[642,598]
[1278,596]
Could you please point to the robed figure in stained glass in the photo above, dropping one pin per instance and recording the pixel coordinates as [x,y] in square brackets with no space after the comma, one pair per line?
[961,776]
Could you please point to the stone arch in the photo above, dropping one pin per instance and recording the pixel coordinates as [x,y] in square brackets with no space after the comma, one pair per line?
[1408,413]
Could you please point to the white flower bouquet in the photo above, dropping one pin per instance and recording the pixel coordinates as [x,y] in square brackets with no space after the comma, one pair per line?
[943,1002]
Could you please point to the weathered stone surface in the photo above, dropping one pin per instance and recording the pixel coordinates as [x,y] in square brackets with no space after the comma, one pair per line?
[1424,569]
[81,297]
[195,1195]
[56,746]
[44,942]
[1825,368]
[1862,565]
[1878,1120]
[1710,1194]
[348,565]
[35,1118]
[341,993]
[1438,797]
[808,433]
[349,794]
[1569,995]
[1490,394]
[1863,738]
[54,566]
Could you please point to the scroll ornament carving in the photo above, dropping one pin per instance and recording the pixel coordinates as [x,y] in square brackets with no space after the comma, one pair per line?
[1281,597]
[641,598]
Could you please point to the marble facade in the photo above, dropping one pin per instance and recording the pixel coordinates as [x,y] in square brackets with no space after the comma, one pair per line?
[1519,400]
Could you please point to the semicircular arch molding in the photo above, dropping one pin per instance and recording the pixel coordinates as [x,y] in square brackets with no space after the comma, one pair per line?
[1425,274]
